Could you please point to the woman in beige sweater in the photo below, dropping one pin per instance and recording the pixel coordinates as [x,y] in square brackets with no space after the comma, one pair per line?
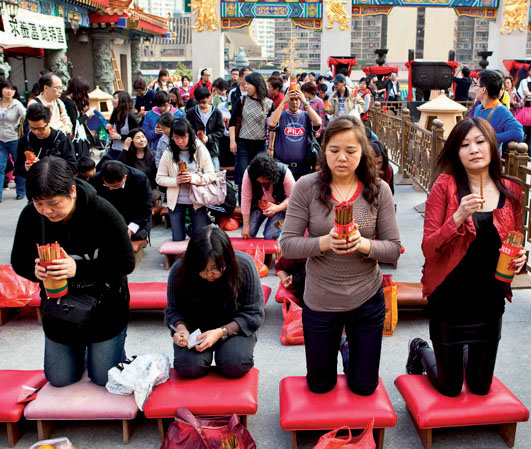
[196,168]
[343,279]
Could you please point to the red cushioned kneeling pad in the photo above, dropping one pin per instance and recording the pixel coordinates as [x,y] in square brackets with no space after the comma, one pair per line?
[209,395]
[431,409]
[248,245]
[283,293]
[11,382]
[300,409]
[267,293]
[148,295]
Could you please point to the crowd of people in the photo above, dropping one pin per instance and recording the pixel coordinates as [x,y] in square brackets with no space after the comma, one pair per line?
[300,147]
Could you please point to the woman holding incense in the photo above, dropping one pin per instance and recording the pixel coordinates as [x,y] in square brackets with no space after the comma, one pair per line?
[67,210]
[470,211]
[343,279]
[216,290]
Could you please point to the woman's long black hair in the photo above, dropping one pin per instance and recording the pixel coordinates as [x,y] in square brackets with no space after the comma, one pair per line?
[210,242]
[449,162]
[125,106]
[130,156]
[258,82]
[366,171]
[78,89]
[182,127]
[49,177]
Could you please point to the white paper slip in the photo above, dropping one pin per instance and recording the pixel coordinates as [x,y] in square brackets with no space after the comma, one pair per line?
[192,339]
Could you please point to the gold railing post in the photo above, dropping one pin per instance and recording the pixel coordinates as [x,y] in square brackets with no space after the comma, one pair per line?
[376,119]
[437,133]
[402,177]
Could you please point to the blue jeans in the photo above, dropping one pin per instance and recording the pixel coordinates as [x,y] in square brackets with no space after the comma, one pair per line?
[178,215]
[247,150]
[215,162]
[6,149]
[272,228]
[65,364]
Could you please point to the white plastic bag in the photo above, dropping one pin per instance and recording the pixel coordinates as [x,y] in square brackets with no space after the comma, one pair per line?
[139,375]
[57,443]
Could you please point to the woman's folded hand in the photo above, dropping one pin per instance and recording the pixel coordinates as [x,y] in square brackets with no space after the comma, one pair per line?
[208,339]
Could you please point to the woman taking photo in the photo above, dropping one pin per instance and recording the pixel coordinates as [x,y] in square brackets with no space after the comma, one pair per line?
[463,232]
[196,168]
[266,187]
[11,113]
[343,278]
[68,210]
[217,290]
[122,121]
[137,154]
[247,125]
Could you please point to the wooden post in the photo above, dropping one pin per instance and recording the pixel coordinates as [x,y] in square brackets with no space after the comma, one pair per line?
[437,132]
[376,115]
[402,177]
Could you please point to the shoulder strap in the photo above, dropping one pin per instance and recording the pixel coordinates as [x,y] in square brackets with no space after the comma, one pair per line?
[490,114]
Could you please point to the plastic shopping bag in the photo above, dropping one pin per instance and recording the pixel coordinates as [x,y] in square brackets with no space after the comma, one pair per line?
[259,257]
[56,443]
[391,306]
[365,440]
[291,333]
[15,291]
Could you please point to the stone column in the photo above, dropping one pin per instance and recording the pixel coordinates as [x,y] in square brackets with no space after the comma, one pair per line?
[135,58]
[506,46]
[101,57]
[207,49]
[334,41]
[58,63]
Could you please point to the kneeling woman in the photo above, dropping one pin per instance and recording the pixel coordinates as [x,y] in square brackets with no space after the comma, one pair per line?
[68,210]
[218,291]
[470,210]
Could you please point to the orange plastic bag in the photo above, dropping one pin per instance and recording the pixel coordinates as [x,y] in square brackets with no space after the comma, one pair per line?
[291,333]
[259,257]
[228,223]
[391,306]
[15,291]
[365,440]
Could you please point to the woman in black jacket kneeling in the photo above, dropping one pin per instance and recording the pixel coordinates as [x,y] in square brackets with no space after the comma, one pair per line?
[97,258]
[218,291]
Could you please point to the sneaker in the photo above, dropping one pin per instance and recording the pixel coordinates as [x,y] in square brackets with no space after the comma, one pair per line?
[20,197]
[414,359]
[343,349]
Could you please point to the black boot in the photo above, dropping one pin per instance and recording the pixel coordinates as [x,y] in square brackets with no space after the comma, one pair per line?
[414,359]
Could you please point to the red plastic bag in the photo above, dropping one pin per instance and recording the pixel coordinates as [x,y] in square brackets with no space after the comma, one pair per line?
[228,223]
[189,432]
[258,257]
[365,440]
[291,333]
[391,305]
[15,291]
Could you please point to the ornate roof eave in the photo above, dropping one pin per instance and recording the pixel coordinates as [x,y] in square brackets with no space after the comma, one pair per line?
[96,5]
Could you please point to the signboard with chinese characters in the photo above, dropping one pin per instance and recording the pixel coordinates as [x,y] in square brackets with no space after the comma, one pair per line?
[237,9]
[443,3]
[31,29]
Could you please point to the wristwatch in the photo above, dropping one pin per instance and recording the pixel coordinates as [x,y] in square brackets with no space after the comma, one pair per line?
[225,333]
[306,104]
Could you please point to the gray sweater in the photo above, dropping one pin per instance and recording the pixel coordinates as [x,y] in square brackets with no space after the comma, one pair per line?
[335,282]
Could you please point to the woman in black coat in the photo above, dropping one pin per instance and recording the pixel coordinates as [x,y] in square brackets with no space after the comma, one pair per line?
[97,258]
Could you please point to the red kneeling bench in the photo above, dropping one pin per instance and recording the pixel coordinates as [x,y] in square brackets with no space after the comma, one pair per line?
[300,409]
[210,395]
[431,409]
[11,411]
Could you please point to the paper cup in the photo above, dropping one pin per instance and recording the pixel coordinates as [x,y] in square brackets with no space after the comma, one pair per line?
[54,288]
[508,253]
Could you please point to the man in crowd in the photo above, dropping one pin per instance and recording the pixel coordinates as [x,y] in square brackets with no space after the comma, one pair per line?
[203,82]
[145,97]
[310,93]
[162,105]
[234,78]
[274,87]
[488,91]
[292,129]
[43,140]
[239,90]
[129,191]
[392,88]
[51,88]
[462,85]
[341,102]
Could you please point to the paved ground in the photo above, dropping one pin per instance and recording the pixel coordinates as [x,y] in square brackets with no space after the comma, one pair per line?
[21,347]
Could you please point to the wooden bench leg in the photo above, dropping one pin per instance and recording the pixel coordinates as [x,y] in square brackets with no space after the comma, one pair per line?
[379,438]
[13,433]
[160,425]
[167,261]
[138,255]
[127,428]
[39,315]
[294,439]
[5,313]
[44,429]
[508,433]
[243,419]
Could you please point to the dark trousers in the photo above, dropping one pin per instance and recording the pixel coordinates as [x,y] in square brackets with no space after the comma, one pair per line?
[299,170]
[247,150]
[445,365]
[234,358]
[178,217]
[322,335]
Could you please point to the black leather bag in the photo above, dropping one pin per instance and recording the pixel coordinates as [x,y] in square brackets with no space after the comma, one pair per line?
[76,308]
[312,151]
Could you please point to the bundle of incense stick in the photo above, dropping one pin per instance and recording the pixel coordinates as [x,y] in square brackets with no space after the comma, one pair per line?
[514,238]
[49,252]
[230,441]
[481,187]
[343,213]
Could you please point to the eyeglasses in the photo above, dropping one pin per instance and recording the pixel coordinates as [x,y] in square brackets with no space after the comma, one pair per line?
[214,271]
[57,87]
[40,128]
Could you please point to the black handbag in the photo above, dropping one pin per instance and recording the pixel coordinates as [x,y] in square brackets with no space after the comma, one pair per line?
[313,149]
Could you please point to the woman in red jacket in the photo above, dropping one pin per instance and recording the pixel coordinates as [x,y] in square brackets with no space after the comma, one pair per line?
[463,232]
